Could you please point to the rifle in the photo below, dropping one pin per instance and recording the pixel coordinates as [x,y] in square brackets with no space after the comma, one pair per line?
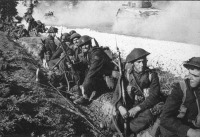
[121,90]
[121,71]
[68,59]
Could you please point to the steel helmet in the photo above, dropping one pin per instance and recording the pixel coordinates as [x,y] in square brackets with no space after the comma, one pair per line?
[39,22]
[75,35]
[52,30]
[83,39]
[66,36]
[136,53]
[194,61]
[72,32]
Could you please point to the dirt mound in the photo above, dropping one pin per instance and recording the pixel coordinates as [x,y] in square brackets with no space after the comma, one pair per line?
[29,108]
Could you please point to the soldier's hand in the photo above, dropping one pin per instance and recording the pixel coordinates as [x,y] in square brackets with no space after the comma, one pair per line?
[62,55]
[129,88]
[133,111]
[193,133]
[115,74]
[123,112]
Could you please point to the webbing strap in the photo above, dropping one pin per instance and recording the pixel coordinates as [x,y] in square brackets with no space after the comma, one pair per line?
[183,88]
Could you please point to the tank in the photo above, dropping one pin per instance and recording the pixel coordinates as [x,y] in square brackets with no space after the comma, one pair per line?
[136,10]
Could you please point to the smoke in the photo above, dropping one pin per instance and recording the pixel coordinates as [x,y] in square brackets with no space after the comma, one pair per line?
[176,21]
[84,14]
[21,9]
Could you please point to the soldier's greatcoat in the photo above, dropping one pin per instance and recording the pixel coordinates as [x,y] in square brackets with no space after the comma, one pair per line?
[170,124]
[99,65]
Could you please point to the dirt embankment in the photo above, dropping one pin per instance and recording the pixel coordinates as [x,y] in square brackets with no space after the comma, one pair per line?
[30,109]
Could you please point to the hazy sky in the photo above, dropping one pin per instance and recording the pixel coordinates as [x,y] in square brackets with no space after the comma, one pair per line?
[177,20]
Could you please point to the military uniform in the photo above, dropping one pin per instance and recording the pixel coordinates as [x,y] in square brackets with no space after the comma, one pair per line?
[142,89]
[99,65]
[181,112]
[49,47]
[170,124]
[146,98]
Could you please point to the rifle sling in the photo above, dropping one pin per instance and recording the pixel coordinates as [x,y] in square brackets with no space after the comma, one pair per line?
[136,83]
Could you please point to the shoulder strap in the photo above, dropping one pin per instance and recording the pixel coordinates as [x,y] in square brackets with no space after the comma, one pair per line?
[183,88]
[150,76]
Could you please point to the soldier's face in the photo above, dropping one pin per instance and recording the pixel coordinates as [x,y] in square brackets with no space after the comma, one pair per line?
[75,40]
[139,65]
[85,48]
[194,76]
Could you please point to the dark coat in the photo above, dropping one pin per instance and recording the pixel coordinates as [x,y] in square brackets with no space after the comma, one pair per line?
[144,82]
[49,46]
[171,125]
[99,65]
[59,51]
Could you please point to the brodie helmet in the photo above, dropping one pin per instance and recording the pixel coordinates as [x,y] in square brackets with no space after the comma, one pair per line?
[194,61]
[52,30]
[66,36]
[136,53]
[75,35]
[72,32]
[83,39]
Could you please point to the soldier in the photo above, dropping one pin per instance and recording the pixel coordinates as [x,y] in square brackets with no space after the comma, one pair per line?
[49,47]
[142,94]
[57,55]
[99,65]
[40,27]
[74,40]
[72,32]
[181,112]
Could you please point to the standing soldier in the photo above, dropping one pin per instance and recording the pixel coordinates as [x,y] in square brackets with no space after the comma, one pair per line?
[99,65]
[49,47]
[142,94]
[181,112]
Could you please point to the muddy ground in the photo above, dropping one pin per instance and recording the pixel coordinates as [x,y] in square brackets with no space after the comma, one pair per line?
[28,108]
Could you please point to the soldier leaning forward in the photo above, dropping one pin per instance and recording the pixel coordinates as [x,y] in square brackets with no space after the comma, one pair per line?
[142,94]
[99,65]
[181,112]
[49,47]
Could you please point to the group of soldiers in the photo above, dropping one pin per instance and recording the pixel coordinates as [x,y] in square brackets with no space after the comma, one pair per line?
[136,87]
[15,29]
[81,59]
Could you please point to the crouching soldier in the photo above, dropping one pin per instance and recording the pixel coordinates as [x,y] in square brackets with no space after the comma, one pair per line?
[99,65]
[142,93]
[181,112]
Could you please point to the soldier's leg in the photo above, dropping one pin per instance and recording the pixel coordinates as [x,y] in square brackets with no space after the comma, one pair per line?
[166,133]
[142,121]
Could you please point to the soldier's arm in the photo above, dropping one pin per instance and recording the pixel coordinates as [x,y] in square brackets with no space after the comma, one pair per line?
[154,93]
[171,108]
[57,54]
[41,54]
[96,65]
